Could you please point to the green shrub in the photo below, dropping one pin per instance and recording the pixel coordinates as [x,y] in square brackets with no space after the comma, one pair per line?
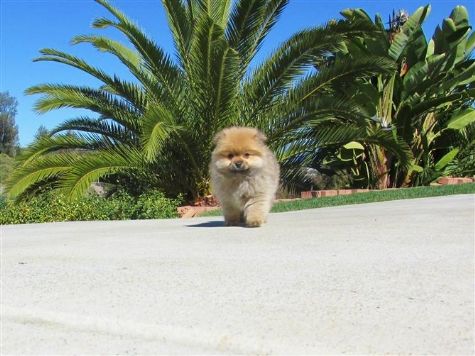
[154,204]
[49,207]
[464,164]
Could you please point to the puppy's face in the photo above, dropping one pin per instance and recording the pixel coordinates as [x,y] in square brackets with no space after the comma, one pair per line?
[239,150]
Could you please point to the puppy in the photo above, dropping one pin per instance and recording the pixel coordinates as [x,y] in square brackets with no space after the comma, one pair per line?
[244,175]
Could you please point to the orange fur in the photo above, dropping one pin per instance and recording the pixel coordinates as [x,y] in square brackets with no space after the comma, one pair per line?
[244,175]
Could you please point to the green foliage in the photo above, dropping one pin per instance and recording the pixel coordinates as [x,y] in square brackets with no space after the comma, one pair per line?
[6,167]
[155,205]
[327,179]
[427,104]
[50,207]
[464,164]
[156,131]
[438,169]
[462,119]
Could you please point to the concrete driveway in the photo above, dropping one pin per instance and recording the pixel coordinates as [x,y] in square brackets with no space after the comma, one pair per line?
[394,277]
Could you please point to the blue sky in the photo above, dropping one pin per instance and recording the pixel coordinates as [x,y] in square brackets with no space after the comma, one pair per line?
[26,26]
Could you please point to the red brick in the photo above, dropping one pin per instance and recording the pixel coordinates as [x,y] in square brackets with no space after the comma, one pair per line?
[359,190]
[464,180]
[452,180]
[445,180]
[329,193]
[192,211]
[182,210]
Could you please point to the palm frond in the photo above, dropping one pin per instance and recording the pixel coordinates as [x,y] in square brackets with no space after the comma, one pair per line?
[217,11]
[154,58]
[129,91]
[130,58]
[59,96]
[294,58]
[392,143]
[214,75]
[290,115]
[158,125]
[58,143]
[181,22]
[36,171]
[342,70]
[90,167]
[105,128]
[249,23]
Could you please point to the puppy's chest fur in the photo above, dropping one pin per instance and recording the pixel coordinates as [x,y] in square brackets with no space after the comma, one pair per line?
[242,188]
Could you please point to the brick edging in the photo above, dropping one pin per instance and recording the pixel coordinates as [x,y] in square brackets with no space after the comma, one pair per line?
[309,194]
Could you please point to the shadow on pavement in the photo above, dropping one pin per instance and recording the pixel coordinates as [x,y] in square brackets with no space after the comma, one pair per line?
[208,224]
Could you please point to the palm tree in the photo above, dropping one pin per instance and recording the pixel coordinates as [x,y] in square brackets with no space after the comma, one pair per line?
[157,129]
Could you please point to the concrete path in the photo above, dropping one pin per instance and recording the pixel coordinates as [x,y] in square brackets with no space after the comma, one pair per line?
[382,278]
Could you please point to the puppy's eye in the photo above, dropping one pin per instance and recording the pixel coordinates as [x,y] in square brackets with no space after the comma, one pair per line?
[246,155]
[230,156]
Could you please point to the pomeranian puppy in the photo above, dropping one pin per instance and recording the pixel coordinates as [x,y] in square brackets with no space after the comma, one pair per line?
[244,175]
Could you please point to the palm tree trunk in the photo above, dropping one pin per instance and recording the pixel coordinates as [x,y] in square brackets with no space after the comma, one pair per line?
[380,167]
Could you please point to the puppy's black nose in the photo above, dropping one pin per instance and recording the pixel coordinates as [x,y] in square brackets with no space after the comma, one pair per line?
[238,164]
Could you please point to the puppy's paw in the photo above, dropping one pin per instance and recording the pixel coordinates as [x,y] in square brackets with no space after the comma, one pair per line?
[232,222]
[232,216]
[255,221]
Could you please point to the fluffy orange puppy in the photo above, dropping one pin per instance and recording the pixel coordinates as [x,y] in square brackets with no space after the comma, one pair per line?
[244,175]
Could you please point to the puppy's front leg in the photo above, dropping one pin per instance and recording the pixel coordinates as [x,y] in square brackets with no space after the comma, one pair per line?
[232,215]
[255,212]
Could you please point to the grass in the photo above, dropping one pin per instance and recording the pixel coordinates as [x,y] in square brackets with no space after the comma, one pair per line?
[369,197]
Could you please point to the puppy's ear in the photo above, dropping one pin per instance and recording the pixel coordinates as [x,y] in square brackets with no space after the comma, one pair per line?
[260,136]
[220,135]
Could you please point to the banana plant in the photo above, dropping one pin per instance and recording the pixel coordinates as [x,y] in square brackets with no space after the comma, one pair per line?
[427,101]
[350,160]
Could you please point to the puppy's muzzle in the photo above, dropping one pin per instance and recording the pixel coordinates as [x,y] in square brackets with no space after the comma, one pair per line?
[238,166]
